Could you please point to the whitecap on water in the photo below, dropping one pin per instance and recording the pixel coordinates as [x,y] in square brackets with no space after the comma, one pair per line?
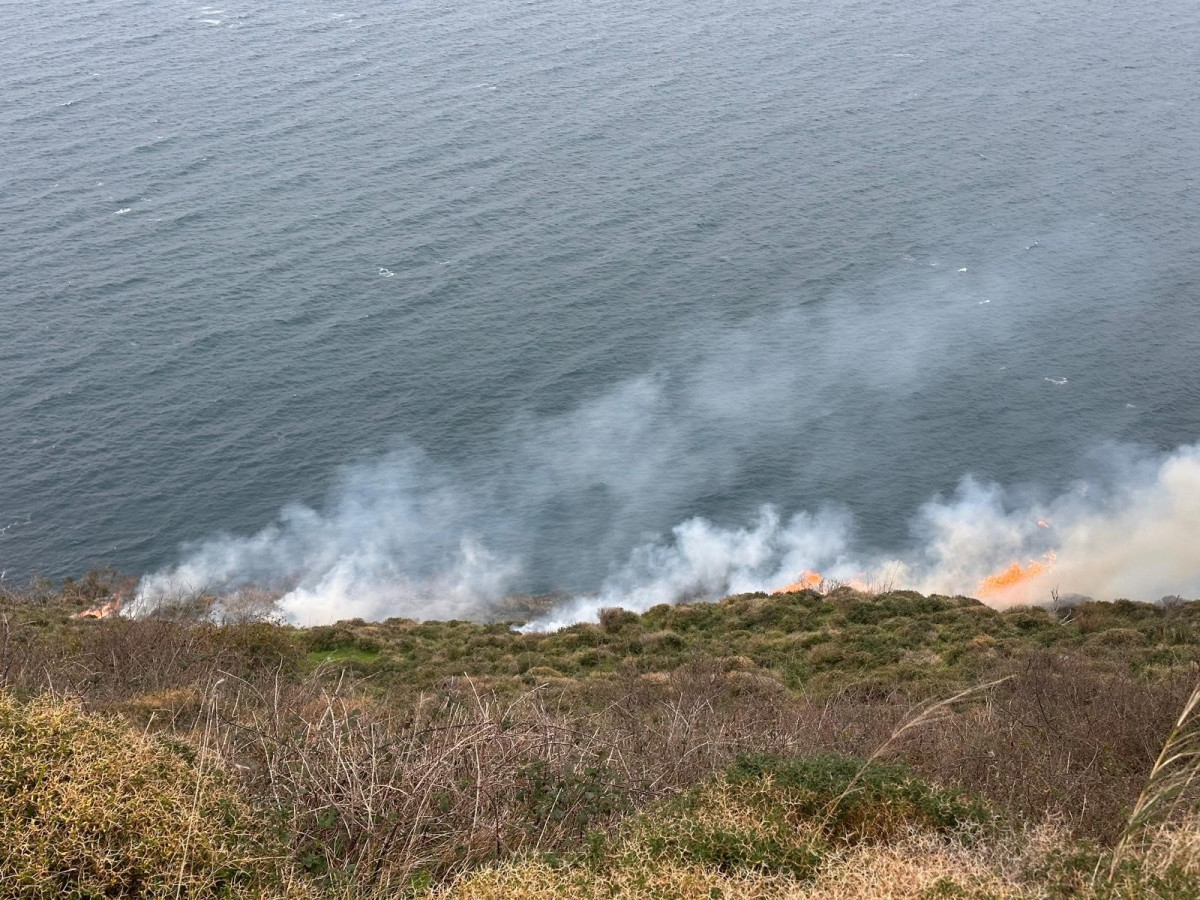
[12,525]
[1055,380]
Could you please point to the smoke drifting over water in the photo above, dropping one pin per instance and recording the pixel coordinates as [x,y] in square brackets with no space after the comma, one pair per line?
[391,543]
[619,286]
[805,439]
[397,542]
[1136,536]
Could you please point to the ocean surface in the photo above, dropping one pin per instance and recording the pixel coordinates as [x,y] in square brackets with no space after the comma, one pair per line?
[532,283]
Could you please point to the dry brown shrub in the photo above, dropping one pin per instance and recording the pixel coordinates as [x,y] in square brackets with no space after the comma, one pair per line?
[382,795]
[382,791]
[1058,739]
[22,660]
[675,730]
[121,658]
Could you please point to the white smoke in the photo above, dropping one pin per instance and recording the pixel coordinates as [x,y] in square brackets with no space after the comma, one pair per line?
[1142,541]
[703,561]
[391,543]
[1137,536]
[829,399]
[385,548]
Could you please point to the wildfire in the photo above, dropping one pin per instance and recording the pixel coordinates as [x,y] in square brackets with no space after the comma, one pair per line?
[1015,575]
[807,580]
[111,608]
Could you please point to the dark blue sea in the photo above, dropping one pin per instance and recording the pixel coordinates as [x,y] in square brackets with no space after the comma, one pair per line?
[415,301]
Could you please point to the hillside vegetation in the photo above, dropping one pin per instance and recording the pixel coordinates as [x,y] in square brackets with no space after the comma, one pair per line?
[798,745]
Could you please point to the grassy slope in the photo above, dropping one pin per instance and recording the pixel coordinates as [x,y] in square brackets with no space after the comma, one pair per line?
[804,640]
[610,759]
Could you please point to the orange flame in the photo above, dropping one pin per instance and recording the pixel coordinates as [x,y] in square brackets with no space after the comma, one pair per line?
[1014,576]
[111,608]
[1011,577]
[807,580]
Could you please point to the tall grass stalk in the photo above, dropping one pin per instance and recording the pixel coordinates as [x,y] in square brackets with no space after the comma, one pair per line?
[920,717]
[1175,770]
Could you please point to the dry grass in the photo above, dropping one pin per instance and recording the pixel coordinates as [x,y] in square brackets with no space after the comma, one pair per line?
[1172,848]
[1169,784]
[1023,865]
[534,880]
[918,865]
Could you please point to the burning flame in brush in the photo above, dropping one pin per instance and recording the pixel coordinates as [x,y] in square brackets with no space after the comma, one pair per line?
[104,611]
[1007,581]
[808,580]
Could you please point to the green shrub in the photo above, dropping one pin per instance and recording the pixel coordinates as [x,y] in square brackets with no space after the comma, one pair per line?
[779,815]
[660,641]
[709,827]
[613,619]
[1118,638]
[573,801]
[854,799]
[866,612]
[767,846]
[326,638]
[256,644]
[90,808]
[1027,619]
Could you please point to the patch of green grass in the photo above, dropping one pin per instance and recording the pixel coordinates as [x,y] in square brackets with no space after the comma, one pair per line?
[852,799]
[784,815]
[819,644]
[342,655]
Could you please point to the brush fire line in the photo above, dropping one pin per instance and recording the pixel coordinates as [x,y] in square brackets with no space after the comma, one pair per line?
[104,611]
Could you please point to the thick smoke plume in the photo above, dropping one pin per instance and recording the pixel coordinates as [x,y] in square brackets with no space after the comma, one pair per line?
[1137,536]
[402,550]
[390,543]
[803,439]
